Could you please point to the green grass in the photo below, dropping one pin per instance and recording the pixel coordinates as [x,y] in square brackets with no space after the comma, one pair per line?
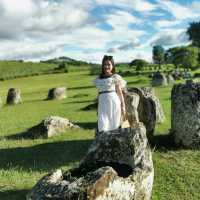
[17,69]
[24,162]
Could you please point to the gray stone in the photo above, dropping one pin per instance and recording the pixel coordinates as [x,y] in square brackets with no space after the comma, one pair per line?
[170,79]
[132,103]
[50,127]
[149,109]
[58,93]
[185,114]
[159,79]
[118,166]
[13,96]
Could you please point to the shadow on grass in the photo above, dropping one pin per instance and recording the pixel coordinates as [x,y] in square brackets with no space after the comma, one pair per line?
[5,105]
[13,194]
[85,101]
[44,157]
[92,106]
[163,143]
[81,87]
[33,101]
[134,82]
[87,125]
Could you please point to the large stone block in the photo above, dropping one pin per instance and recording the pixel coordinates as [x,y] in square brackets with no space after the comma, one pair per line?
[185,114]
[149,109]
[14,96]
[117,166]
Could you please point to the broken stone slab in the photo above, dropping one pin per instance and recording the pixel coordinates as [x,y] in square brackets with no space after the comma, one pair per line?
[118,165]
[58,93]
[159,79]
[149,109]
[49,127]
[13,96]
[185,114]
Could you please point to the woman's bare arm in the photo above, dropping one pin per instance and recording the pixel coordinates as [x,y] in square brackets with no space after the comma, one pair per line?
[121,97]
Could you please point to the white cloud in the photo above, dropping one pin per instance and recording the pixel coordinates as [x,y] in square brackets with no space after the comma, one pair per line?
[38,18]
[170,37]
[54,16]
[29,49]
[40,29]
[167,23]
[144,6]
[121,19]
[125,47]
[180,12]
[14,8]
[138,5]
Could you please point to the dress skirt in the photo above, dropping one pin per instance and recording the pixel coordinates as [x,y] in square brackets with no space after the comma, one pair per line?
[109,111]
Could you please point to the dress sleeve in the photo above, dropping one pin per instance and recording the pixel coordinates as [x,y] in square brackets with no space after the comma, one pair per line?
[119,81]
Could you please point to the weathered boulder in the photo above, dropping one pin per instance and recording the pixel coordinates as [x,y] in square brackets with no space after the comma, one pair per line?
[185,114]
[49,127]
[14,96]
[159,79]
[149,109]
[118,166]
[132,102]
[58,93]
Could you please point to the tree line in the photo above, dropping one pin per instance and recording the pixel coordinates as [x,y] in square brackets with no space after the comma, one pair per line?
[187,57]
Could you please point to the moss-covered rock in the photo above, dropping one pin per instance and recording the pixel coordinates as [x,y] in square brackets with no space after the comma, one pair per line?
[118,165]
[185,115]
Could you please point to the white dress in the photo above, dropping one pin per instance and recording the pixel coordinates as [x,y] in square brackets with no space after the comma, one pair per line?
[109,104]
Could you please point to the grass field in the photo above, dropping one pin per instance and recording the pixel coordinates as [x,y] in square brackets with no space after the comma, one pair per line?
[24,162]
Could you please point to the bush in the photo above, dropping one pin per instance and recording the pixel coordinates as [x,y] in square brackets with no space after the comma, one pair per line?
[95,70]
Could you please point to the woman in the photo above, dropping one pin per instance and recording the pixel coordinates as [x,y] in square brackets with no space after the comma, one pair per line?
[111,106]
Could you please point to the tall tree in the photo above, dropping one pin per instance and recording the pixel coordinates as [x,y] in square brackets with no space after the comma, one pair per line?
[186,57]
[139,64]
[193,32]
[158,55]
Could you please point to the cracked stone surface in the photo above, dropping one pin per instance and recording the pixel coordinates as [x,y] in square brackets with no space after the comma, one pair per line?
[185,114]
[117,166]
[149,109]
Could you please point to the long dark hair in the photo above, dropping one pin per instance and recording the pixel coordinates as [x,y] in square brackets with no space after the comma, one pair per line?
[107,58]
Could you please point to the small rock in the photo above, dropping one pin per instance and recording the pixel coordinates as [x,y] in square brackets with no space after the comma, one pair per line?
[14,96]
[159,79]
[50,127]
[58,93]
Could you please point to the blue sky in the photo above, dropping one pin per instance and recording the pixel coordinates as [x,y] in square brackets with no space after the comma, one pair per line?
[87,30]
